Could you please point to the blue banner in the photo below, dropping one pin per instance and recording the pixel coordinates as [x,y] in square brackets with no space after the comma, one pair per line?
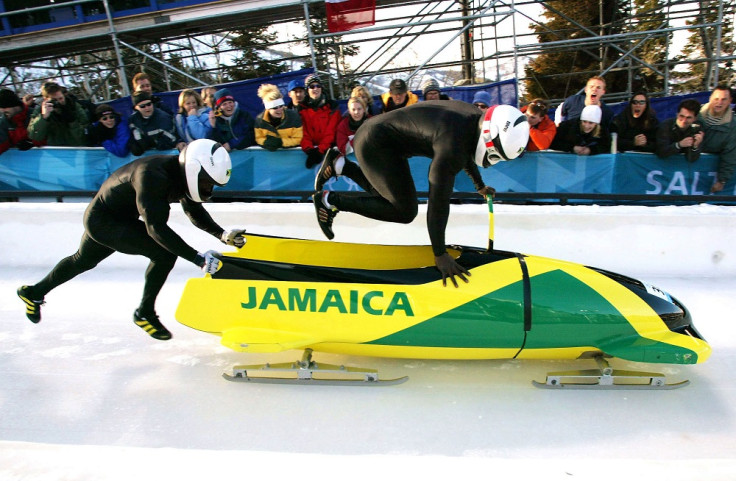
[638,173]
[258,170]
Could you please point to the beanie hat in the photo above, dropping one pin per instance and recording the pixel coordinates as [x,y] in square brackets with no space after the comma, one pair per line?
[429,85]
[312,78]
[8,99]
[223,95]
[397,86]
[482,97]
[103,109]
[591,113]
[295,84]
[141,96]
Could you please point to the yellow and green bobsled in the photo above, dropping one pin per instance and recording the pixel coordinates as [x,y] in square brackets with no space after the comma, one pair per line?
[277,294]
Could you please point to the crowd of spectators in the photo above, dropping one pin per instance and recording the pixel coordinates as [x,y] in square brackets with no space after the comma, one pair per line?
[308,118]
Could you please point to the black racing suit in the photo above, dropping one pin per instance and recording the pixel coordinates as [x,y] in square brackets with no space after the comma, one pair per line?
[445,131]
[129,214]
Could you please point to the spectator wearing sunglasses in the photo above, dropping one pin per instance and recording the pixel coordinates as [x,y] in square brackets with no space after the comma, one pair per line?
[636,125]
[277,126]
[542,129]
[320,116]
[482,100]
[109,131]
[142,83]
[151,128]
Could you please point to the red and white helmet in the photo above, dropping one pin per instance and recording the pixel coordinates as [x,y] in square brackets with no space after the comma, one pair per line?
[205,164]
[504,134]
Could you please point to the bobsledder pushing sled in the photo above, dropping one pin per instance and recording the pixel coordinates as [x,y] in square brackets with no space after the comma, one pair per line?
[278,294]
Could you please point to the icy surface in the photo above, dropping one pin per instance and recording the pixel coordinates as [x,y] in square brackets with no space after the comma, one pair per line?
[86,395]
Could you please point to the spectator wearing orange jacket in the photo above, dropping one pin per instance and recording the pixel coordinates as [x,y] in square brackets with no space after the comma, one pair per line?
[542,129]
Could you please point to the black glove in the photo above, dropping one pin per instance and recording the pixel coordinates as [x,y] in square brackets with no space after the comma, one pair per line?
[272,143]
[24,144]
[313,158]
[136,147]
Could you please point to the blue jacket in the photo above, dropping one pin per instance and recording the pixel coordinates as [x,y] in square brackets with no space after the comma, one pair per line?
[191,127]
[156,132]
[236,131]
[116,142]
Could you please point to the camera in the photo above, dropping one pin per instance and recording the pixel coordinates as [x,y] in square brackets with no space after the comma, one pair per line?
[693,129]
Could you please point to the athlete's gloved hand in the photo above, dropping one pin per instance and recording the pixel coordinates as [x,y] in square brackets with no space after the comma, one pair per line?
[233,237]
[209,261]
[449,268]
[486,191]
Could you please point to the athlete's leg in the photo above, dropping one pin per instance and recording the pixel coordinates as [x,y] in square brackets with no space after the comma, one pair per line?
[89,254]
[384,173]
[132,238]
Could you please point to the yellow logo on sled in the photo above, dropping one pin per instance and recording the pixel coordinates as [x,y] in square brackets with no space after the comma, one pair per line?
[309,300]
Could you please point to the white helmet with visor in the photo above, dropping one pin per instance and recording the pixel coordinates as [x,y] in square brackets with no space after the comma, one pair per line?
[504,134]
[205,164]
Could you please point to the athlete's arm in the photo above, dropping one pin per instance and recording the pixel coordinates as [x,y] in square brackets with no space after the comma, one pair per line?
[153,207]
[441,183]
[471,168]
[200,217]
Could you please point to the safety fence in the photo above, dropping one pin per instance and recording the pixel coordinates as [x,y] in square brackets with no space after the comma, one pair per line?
[259,174]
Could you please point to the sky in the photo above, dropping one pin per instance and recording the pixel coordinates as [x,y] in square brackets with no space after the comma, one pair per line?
[85,394]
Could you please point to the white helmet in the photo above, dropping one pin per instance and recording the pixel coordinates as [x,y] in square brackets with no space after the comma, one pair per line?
[205,163]
[504,134]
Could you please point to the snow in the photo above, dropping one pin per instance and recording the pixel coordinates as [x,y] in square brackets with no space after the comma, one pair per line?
[86,395]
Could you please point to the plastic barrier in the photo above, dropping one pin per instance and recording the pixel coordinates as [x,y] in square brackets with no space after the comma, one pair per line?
[281,173]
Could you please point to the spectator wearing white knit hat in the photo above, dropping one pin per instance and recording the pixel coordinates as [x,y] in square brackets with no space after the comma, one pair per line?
[583,136]
[277,127]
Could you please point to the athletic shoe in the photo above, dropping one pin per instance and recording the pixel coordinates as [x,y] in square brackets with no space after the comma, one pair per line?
[33,304]
[329,214]
[151,324]
[328,161]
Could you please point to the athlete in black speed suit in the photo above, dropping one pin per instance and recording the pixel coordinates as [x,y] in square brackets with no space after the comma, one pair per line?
[129,214]
[445,131]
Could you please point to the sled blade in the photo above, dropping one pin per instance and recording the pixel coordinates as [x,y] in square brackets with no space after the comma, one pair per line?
[595,379]
[307,371]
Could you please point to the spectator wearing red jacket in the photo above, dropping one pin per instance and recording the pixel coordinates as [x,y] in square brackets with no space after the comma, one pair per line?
[542,129]
[14,122]
[320,117]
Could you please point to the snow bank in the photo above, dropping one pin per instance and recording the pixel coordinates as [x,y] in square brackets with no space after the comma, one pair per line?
[684,240]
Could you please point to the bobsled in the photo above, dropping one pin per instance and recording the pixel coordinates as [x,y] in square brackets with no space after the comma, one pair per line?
[277,294]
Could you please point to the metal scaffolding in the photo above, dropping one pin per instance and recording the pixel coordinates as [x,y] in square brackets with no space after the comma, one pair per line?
[465,41]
